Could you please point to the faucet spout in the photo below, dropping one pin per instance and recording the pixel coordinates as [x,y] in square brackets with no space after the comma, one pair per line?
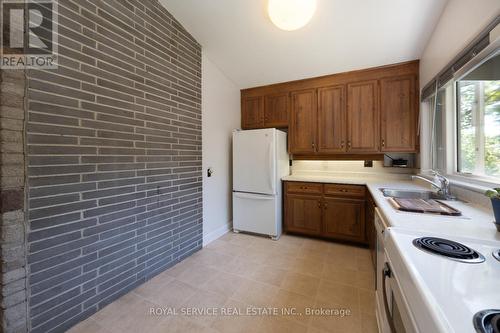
[436,185]
[443,186]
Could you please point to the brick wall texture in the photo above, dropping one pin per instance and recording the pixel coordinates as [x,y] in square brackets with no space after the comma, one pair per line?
[114,158]
[13,305]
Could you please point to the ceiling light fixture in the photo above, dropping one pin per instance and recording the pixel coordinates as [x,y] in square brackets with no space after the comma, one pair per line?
[291,14]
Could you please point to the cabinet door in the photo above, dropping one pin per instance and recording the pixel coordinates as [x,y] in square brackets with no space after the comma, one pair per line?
[303,214]
[398,114]
[344,218]
[252,112]
[276,110]
[331,120]
[302,134]
[362,117]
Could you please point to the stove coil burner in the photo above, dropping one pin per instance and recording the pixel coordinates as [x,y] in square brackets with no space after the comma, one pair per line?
[449,249]
[487,321]
[496,254]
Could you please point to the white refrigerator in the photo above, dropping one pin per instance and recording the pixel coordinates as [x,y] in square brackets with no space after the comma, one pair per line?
[260,160]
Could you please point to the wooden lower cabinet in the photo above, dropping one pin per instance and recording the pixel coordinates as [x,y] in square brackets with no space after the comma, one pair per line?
[303,214]
[339,216]
[344,218]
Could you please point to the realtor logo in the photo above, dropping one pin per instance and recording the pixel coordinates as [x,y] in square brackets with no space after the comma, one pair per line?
[29,34]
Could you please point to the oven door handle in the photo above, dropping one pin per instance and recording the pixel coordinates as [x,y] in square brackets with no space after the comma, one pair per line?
[387,273]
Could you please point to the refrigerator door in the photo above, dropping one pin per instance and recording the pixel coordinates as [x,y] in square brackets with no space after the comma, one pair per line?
[256,213]
[254,161]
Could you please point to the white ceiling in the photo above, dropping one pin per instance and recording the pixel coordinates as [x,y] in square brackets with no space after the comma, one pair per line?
[238,37]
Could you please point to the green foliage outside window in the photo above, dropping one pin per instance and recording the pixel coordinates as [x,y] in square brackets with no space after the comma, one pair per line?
[470,139]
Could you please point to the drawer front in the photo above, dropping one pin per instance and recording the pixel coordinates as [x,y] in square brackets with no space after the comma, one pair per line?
[310,188]
[345,190]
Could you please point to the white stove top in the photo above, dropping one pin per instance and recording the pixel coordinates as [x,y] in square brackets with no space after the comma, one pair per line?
[443,295]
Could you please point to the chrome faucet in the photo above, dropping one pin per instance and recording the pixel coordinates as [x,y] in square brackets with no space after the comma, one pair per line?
[443,186]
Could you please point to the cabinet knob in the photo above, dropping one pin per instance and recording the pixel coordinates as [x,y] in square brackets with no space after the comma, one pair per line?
[313,145]
[319,204]
[342,144]
[349,144]
[325,205]
[383,143]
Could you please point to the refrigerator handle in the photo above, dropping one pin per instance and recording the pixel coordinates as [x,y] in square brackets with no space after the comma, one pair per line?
[253,196]
[271,169]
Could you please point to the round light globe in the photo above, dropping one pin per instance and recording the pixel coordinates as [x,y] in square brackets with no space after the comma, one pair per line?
[291,14]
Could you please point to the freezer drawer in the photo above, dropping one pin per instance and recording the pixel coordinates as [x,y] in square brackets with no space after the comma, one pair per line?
[257,213]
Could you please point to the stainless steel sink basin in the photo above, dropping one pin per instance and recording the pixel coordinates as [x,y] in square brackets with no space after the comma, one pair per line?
[410,194]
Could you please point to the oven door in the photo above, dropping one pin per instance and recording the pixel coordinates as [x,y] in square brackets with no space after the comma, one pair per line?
[380,227]
[395,309]
[392,310]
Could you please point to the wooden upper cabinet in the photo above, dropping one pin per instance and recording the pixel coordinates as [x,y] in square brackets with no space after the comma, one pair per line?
[252,112]
[345,115]
[344,218]
[276,110]
[303,214]
[362,117]
[398,114]
[331,120]
[303,122]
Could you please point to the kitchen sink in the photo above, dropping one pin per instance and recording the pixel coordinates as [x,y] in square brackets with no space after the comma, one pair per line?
[416,206]
[410,194]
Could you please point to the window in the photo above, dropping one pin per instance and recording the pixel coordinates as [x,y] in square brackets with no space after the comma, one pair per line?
[478,120]
[438,137]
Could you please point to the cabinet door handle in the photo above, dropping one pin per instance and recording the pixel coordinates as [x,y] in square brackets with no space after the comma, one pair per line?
[383,143]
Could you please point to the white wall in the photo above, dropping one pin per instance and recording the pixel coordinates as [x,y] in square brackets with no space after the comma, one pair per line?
[460,22]
[221,114]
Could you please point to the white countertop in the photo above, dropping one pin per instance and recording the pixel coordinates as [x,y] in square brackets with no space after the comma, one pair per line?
[443,294]
[475,222]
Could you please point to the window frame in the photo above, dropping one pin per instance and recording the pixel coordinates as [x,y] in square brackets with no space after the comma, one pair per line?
[450,127]
[455,111]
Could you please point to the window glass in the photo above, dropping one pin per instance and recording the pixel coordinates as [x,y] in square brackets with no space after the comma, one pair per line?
[478,116]
[438,141]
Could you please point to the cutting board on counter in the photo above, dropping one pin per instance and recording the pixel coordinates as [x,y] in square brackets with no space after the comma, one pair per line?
[429,206]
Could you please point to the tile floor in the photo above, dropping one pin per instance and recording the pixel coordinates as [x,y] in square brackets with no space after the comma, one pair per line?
[239,271]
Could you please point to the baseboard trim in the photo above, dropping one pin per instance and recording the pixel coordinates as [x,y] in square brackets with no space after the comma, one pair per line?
[217,233]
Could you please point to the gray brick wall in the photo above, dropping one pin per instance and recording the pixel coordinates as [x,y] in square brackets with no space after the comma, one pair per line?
[114,158]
